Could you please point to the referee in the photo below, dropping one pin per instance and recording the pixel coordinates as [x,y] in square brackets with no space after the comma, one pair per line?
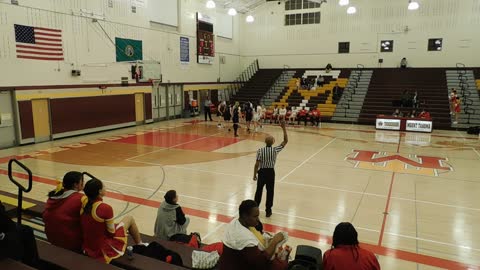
[266,158]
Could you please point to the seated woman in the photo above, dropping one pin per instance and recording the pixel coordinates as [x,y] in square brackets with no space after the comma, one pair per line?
[397,113]
[170,218]
[102,238]
[243,243]
[62,213]
[424,114]
[413,114]
[346,254]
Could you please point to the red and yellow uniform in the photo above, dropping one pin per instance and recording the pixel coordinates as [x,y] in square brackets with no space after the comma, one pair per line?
[102,238]
[62,220]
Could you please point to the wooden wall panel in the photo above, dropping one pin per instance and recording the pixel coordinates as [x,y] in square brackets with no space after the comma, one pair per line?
[26,119]
[72,114]
[148,106]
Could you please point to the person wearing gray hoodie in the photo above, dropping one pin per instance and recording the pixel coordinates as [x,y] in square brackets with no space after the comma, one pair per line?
[170,218]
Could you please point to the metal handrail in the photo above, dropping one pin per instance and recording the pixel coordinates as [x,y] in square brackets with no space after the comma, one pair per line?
[21,188]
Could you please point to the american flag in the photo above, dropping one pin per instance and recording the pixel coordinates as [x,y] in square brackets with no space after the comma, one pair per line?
[38,43]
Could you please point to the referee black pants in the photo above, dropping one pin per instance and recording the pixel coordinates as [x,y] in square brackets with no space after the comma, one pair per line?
[266,177]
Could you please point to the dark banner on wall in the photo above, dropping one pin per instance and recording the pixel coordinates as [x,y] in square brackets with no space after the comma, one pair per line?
[184,50]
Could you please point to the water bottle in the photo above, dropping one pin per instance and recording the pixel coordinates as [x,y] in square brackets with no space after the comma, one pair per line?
[130,252]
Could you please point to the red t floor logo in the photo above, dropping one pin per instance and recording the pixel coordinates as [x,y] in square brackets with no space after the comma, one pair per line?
[393,162]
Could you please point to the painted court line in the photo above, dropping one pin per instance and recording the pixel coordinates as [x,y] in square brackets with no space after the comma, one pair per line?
[384,251]
[177,145]
[306,160]
[323,187]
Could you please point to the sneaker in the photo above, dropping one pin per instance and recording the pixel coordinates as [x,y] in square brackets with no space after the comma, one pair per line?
[269,213]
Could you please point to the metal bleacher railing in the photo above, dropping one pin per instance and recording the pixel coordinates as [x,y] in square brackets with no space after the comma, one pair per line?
[280,79]
[351,88]
[244,77]
[21,188]
[465,91]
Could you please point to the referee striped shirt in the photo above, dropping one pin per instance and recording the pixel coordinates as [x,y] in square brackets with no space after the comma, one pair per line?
[268,156]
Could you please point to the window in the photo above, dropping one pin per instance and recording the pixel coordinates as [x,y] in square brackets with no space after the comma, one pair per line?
[435,44]
[386,46]
[300,4]
[307,4]
[311,18]
[344,47]
[305,18]
[293,4]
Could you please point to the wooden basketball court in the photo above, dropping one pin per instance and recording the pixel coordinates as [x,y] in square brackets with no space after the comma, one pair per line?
[412,197]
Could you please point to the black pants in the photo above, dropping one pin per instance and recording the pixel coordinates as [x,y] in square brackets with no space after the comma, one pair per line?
[266,177]
[207,112]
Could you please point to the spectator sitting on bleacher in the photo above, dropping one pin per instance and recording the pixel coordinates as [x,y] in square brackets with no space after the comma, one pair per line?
[403,63]
[314,117]
[397,113]
[406,99]
[302,116]
[413,114]
[243,243]
[320,81]
[346,254]
[424,114]
[337,92]
[102,238]
[62,213]
[170,218]
[328,68]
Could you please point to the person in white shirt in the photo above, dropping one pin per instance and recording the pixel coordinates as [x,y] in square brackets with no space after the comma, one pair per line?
[257,115]
[263,115]
[275,114]
[282,113]
[293,116]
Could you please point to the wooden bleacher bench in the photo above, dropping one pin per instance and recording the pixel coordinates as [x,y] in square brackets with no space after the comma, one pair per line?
[184,251]
[53,257]
[140,262]
[31,207]
[9,264]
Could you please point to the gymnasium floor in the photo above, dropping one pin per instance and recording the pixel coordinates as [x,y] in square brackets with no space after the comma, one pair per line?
[429,184]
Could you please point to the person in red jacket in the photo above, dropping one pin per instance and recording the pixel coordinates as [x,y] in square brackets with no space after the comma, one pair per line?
[302,116]
[424,114]
[346,254]
[62,213]
[314,117]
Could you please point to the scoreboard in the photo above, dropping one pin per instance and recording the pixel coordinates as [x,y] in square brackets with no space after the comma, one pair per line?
[205,40]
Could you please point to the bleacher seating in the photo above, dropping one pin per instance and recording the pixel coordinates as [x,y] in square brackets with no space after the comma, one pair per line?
[321,97]
[257,86]
[9,264]
[476,72]
[388,85]
[47,252]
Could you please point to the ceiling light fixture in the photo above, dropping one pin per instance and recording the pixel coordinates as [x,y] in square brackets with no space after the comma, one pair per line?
[413,5]
[250,19]
[343,2]
[351,10]
[211,4]
[232,12]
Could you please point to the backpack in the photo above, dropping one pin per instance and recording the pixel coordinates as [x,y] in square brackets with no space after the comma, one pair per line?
[18,241]
[157,251]
[306,258]
[473,130]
